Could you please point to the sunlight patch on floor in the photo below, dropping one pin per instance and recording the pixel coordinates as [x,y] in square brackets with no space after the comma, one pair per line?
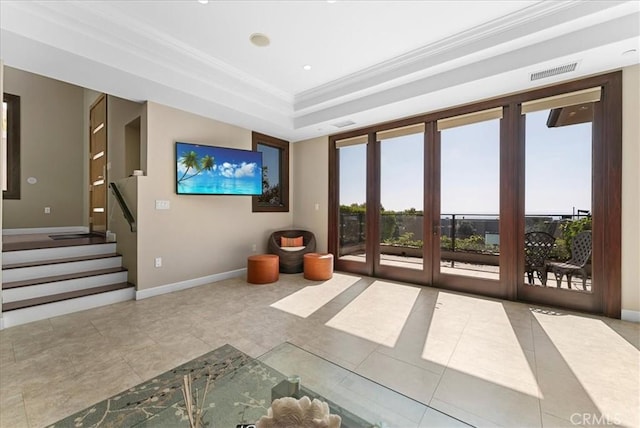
[378,314]
[484,343]
[312,297]
[593,352]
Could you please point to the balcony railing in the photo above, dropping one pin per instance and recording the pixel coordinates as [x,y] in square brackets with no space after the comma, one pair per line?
[459,233]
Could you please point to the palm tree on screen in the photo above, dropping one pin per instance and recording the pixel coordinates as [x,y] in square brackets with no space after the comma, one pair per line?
[191,161]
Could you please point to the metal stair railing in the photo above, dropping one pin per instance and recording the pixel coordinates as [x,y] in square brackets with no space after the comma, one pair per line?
[123,205]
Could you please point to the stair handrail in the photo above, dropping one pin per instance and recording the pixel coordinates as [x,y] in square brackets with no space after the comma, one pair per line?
[123,205]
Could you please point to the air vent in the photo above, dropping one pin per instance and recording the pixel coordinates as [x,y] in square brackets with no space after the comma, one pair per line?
[344,123]
[567,68]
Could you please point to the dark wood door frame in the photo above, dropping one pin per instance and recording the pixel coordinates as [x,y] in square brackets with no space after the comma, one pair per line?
[98,141]
[607,184]
[607,204]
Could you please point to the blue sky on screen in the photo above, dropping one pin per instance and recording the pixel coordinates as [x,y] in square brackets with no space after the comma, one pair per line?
[557,176]
[228,163]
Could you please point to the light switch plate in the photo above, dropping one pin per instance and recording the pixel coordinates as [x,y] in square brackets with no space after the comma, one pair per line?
[162,204]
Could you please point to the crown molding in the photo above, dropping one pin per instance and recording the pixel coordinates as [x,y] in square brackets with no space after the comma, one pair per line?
[177,47]
[522,23]
[103,49]
[568,44]
[106,26]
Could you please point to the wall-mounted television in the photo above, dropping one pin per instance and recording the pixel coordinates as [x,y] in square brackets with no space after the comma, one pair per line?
[208,170]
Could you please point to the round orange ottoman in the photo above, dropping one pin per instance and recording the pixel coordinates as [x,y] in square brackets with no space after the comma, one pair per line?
[318,267]
[263,268]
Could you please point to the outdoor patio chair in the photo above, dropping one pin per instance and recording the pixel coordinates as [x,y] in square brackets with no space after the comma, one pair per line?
[580,253]
[537,247]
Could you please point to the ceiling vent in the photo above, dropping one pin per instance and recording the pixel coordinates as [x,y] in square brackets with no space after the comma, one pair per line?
[344,123]
[567,68]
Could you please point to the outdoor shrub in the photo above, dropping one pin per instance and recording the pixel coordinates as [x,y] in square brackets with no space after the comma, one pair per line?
[560,251]
[472,243]
[405,240]
[571,228]
[445,242]
[466,230]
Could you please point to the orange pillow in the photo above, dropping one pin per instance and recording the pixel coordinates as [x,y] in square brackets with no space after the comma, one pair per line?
[291,242]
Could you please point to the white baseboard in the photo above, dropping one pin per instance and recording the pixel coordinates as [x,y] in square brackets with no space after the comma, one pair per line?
[31,230]
[190,283]
[633,316]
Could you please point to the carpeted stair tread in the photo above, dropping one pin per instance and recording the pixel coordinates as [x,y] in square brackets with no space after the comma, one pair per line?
[57,278]
[10,306]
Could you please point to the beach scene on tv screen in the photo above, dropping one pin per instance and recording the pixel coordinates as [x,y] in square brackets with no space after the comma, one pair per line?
[217,170]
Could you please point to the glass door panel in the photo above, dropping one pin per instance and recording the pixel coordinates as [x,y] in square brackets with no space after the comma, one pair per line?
[558,197]
[470,200]
[401,218]
[352,221]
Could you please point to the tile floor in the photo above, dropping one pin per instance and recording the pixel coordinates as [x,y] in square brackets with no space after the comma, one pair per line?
[485,361]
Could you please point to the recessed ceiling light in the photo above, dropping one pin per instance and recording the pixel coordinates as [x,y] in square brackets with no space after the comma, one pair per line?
[259,39]
[306,67]
[331,1]
[203,1]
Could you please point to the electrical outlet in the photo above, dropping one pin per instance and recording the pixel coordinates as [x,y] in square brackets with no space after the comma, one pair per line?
[254,248]
[47,210]
[317,206]
[158,262]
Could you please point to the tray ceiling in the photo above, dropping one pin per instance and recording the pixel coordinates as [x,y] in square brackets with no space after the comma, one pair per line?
[370,61]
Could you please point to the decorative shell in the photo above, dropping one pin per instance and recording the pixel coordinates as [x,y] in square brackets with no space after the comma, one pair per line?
[288,412]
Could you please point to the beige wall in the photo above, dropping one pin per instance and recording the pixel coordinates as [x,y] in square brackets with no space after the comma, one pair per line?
[199,235]
[119,113]
[631,189]
[132,146]
[310,181]
[51,150]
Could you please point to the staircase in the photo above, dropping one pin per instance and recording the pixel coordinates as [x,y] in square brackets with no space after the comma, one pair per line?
[44,279]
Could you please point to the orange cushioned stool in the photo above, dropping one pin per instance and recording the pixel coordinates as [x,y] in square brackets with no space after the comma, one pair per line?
[318,267]
[263,268]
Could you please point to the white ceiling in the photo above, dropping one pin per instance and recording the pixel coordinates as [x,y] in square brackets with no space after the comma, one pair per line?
[371,61]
